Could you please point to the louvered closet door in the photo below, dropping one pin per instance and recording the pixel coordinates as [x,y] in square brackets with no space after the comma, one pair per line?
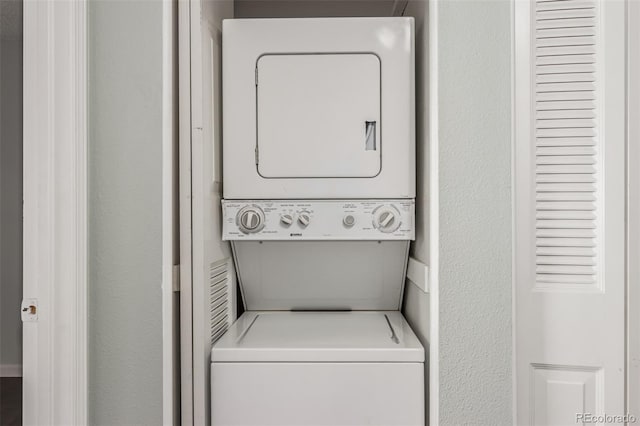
[570,220]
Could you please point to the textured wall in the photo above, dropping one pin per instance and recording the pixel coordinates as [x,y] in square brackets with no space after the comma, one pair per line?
[474,55]
[125,160]
[10,201]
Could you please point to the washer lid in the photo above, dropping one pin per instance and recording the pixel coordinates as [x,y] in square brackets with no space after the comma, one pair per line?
[319,337]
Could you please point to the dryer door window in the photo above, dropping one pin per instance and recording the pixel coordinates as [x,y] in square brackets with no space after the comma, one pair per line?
[318,115]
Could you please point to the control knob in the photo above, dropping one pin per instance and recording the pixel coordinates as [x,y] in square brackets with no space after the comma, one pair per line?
[286,220]
[387,219]
[349,220]
[304,219]
[250,219]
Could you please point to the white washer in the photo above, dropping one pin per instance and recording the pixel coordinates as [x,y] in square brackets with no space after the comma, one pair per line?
[318,368]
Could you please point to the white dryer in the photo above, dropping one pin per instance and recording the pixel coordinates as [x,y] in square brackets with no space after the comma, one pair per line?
[318,108]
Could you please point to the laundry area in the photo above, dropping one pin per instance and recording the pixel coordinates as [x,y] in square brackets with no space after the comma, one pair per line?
[304,181]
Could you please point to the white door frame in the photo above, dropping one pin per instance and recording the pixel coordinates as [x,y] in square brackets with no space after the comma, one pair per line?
[170,223]
[185,222]
[633,209]
[55,212]
[433,386]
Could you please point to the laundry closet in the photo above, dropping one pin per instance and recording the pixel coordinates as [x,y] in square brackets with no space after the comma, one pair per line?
[303,213]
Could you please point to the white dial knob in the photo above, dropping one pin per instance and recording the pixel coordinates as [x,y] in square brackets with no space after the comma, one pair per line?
[304,219]
[387,219]
[349,220]
[250,219]
[286,220]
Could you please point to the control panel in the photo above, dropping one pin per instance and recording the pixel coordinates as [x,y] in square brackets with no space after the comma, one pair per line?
[318,220]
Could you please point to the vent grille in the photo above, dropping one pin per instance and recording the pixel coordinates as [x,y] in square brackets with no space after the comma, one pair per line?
[567,166]
[219,298]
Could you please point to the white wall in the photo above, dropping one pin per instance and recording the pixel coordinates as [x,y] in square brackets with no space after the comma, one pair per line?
[10,203]
[125,212]
[474,109]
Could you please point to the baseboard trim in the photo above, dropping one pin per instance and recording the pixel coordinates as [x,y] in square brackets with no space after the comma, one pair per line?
[10,370]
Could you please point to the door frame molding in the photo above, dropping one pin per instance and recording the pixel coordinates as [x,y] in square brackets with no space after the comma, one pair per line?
[433,387]
[633,210]
[55,211]
[170,219]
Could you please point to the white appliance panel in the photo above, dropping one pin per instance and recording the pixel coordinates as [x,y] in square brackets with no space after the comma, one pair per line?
[319,337]
[264,220]
[318,368]
[321,393]
[299,135]
[309,146]
[321,275]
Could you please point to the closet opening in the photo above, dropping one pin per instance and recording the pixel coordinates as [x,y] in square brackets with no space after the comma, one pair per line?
[204,319]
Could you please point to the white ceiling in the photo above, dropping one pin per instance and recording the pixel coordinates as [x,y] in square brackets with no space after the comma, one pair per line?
[11,19]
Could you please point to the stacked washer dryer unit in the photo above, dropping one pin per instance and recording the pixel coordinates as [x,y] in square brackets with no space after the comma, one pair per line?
[319,186]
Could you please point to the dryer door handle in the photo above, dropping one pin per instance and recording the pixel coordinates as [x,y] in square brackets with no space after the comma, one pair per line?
[370,135]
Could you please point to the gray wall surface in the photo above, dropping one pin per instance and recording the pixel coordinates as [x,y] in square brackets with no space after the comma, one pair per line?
[474,60]
[125,178]
[10,201]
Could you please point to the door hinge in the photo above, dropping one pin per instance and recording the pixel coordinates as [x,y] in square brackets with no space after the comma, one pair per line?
[175,280]
[29,310]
